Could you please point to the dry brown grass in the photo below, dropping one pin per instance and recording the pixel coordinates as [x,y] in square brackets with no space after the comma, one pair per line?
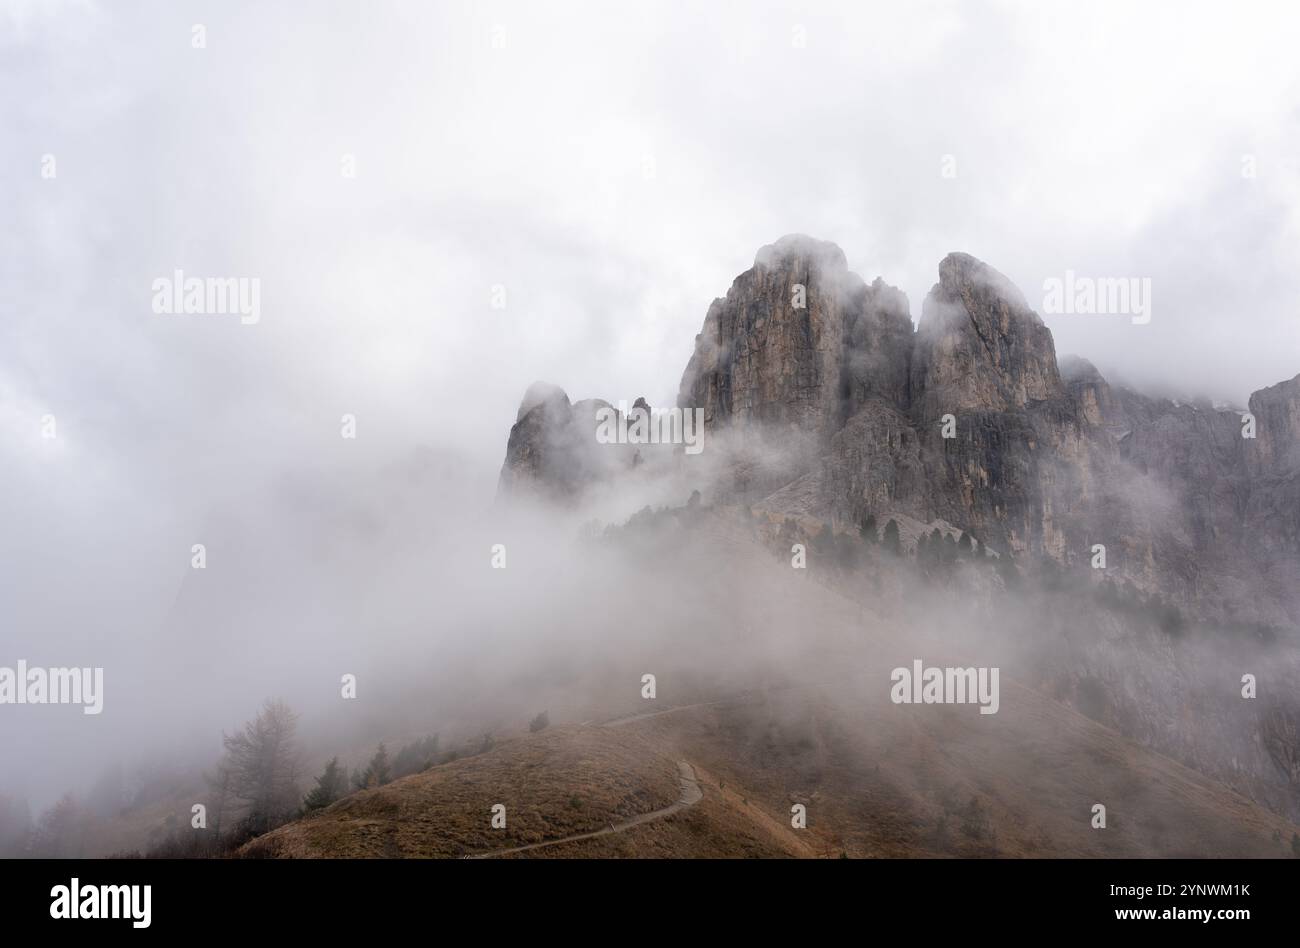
[878,780]
[553,784]
[884,780]
[721,825]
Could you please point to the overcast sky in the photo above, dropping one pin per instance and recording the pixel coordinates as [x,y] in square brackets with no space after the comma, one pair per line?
[613,167]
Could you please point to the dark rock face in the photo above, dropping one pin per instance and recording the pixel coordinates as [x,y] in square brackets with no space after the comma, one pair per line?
[878,351]
[876,462]
[849,370]
[1222,530]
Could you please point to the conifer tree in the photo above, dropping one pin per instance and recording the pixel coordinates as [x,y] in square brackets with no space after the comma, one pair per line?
[261,767]
[331,785]
[377,772]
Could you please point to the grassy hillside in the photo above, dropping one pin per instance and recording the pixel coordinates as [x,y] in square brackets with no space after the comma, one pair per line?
[878,780]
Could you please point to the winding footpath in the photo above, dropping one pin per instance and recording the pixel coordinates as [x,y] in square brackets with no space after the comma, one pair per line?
[691,794]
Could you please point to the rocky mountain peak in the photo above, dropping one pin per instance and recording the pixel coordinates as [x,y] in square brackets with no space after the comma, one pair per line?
[979,345]
[793,249]
[771,352]
[960,274]
[553,450]
[541,393]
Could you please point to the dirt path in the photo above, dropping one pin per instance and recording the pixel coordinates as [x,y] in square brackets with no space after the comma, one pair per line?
[739,698]
[691,794]
[628,719]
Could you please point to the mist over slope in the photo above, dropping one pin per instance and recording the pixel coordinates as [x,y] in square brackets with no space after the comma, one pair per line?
[774,684]
[867,496]
[872,498]
[1132,519]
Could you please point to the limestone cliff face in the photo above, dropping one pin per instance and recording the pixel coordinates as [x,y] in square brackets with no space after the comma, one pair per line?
[1270,514]
[1099,405]
[1019,467]
[979,346]
[1276,446]
[797,341]
[876,463]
